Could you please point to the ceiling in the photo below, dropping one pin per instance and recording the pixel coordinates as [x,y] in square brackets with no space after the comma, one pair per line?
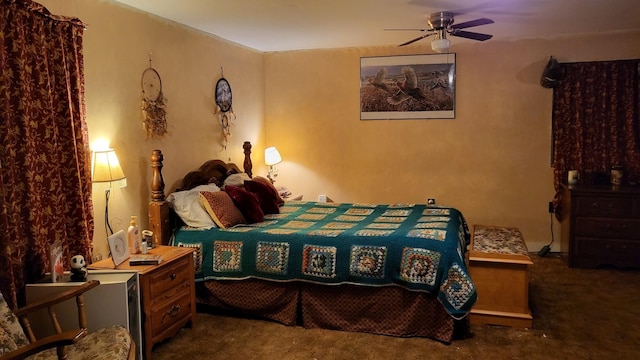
[282,25]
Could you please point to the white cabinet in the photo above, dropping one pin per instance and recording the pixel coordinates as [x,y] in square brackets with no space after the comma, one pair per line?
[116,301]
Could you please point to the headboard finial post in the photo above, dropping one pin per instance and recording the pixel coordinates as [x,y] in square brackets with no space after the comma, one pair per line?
[248,165]
[158,207]
[157,182]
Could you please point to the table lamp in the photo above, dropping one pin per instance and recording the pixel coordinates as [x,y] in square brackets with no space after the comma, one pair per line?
[106,171]
[272,158]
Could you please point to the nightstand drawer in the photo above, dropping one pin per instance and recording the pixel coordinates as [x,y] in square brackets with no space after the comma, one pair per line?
[163,280]
[604,206]
[607,228]
[162,317]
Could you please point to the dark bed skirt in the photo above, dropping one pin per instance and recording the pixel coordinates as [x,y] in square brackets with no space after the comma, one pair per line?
[378,310]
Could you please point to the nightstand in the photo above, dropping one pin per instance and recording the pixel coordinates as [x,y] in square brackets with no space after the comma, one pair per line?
[293,198]
[167,292]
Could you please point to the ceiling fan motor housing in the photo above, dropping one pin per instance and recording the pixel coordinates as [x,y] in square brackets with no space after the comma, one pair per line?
[441,20]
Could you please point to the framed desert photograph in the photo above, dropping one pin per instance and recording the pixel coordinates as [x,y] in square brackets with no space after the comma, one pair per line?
[408,87]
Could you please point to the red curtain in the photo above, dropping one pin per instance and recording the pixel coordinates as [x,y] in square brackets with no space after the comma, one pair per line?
[595,121]
[45,182]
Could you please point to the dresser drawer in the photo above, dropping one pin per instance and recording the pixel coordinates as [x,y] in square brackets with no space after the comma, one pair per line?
[604,206]
[169,277]
[162,317]
[607,228]
[617,251]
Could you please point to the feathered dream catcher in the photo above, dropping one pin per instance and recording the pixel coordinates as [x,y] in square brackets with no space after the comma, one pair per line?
[224,109]
[153,104]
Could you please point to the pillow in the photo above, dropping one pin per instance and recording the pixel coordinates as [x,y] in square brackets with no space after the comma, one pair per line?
[236,179]
[266,194]
[247,202]
[268,182]
[11,333]
[188,206]
[221,209]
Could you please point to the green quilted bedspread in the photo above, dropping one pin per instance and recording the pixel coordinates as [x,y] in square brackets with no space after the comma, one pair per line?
[418,247]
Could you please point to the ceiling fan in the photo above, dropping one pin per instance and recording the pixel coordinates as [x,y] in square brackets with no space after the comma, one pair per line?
[441,24]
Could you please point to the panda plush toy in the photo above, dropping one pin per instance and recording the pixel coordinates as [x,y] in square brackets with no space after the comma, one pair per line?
[78,268]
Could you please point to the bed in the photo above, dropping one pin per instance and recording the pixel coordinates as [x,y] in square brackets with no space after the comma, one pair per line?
[391,269]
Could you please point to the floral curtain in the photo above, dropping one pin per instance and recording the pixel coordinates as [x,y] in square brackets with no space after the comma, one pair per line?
[45,170]
[595,121]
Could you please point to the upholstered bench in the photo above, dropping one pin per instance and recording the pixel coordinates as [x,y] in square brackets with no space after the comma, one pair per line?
[498,265]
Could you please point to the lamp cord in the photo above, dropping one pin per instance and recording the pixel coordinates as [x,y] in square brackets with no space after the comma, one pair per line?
[545,249]
[551,222]
[107,192]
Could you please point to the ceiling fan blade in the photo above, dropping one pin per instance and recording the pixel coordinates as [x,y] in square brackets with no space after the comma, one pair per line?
[405,29]
[414,40]
[470,35]
[476,22]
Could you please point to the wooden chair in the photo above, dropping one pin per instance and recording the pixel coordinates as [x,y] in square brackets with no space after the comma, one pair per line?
[17,340]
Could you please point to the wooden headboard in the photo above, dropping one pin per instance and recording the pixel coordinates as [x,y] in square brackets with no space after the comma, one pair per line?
[212,171]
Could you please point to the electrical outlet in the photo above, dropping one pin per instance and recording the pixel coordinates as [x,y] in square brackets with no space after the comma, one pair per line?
[431,201]
[322,198]
[551,207]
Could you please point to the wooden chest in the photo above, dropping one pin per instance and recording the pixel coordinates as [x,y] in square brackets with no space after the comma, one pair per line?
[499,267]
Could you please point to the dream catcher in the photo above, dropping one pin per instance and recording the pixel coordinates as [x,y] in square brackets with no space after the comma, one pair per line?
[224,109]
[153,103]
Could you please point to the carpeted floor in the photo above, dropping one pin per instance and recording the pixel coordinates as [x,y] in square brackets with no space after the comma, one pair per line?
[578,314]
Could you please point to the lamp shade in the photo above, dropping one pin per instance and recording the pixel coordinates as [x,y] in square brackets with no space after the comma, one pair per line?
[106,170]
[272,156]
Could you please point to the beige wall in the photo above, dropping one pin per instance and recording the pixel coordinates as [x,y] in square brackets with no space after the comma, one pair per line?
[117,44]
[491,161]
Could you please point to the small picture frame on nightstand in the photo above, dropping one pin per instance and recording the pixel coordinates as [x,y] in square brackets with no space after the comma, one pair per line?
[55,257]
[118,247]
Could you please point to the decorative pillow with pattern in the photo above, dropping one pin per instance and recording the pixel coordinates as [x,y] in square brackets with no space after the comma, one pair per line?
[11,334]
[247,202]
[221,208]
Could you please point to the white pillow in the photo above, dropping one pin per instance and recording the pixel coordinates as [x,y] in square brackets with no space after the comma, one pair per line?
[188,206]
[236,179]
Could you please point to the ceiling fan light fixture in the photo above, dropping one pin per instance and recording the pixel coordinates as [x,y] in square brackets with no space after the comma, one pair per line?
[440,45]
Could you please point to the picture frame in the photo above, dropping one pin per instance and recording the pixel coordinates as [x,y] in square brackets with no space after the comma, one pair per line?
[119,247]
[224,97]
[56,253]
[408,87]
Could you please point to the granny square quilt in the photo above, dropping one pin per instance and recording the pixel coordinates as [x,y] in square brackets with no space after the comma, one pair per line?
[418,247]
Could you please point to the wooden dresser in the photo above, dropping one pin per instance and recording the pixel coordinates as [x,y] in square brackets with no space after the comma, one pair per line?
[167,293]
[601,224]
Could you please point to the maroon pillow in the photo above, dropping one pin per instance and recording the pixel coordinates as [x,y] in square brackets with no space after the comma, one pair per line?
[267,195]
[270,184]
[247,202]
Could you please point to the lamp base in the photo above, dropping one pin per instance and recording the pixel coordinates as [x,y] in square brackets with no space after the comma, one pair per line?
[272,174]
